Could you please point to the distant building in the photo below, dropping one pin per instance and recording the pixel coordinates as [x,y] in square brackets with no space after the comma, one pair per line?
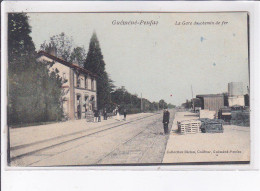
[234,97]
[236,94]
[211,102]
[235,89]
[236,101]
[80,86]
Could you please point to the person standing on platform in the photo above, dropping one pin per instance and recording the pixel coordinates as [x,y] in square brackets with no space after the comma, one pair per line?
[117,114]
[96,115]
[99,115]
[124,114]
[105,114]
[166,119]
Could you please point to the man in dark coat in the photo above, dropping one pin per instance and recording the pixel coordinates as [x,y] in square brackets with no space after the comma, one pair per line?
[166,118]
[105,114]
[124,114]
[96,114]
[99,115]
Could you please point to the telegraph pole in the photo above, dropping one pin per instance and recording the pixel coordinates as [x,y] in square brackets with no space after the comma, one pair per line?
[141,103]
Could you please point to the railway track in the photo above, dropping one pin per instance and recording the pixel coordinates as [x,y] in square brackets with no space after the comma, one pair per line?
[146,147]
[103,157]
[26,150]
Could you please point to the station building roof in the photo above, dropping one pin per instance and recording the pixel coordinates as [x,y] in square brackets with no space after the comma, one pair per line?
[71,65]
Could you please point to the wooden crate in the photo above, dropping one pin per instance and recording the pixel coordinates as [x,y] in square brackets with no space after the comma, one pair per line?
[191,126]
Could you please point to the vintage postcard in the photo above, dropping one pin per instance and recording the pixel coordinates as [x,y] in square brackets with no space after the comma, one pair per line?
[128,88]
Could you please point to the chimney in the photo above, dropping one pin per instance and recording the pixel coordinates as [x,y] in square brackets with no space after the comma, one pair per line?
[75,62]
[52,50]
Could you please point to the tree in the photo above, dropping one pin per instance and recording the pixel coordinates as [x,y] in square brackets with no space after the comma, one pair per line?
[95,63]
[187,104]
[131,102]
[197,102]
[20,45]
[125,100]
[33,93]
[162,104]
[63,45]
[78,55]
[171,106]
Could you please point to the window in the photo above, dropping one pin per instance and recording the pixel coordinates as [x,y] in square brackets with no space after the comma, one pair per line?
[86,82]
[64,76]
[78,80]
[86,103]
[92,84]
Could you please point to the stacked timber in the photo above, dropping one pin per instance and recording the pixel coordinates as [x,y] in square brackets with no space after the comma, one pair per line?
[189,126]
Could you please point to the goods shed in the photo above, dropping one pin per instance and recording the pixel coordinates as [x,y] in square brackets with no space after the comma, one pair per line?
[211,102]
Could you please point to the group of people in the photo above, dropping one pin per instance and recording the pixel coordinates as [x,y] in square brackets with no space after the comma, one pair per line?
[98,114]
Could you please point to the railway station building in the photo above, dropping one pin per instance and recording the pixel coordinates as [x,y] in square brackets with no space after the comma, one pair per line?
[79,87]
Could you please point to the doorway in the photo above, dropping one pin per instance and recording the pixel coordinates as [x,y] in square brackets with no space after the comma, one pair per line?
[86,105]
[79,106]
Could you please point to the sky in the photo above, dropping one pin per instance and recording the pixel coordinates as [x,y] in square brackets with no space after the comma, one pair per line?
[162,60]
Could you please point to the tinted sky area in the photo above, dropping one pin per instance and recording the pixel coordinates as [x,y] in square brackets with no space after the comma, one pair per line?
[162,59]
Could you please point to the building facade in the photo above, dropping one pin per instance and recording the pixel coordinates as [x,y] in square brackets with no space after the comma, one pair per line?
[79,87]
[236,94]
[212,102]
[236,101]
[235,89]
